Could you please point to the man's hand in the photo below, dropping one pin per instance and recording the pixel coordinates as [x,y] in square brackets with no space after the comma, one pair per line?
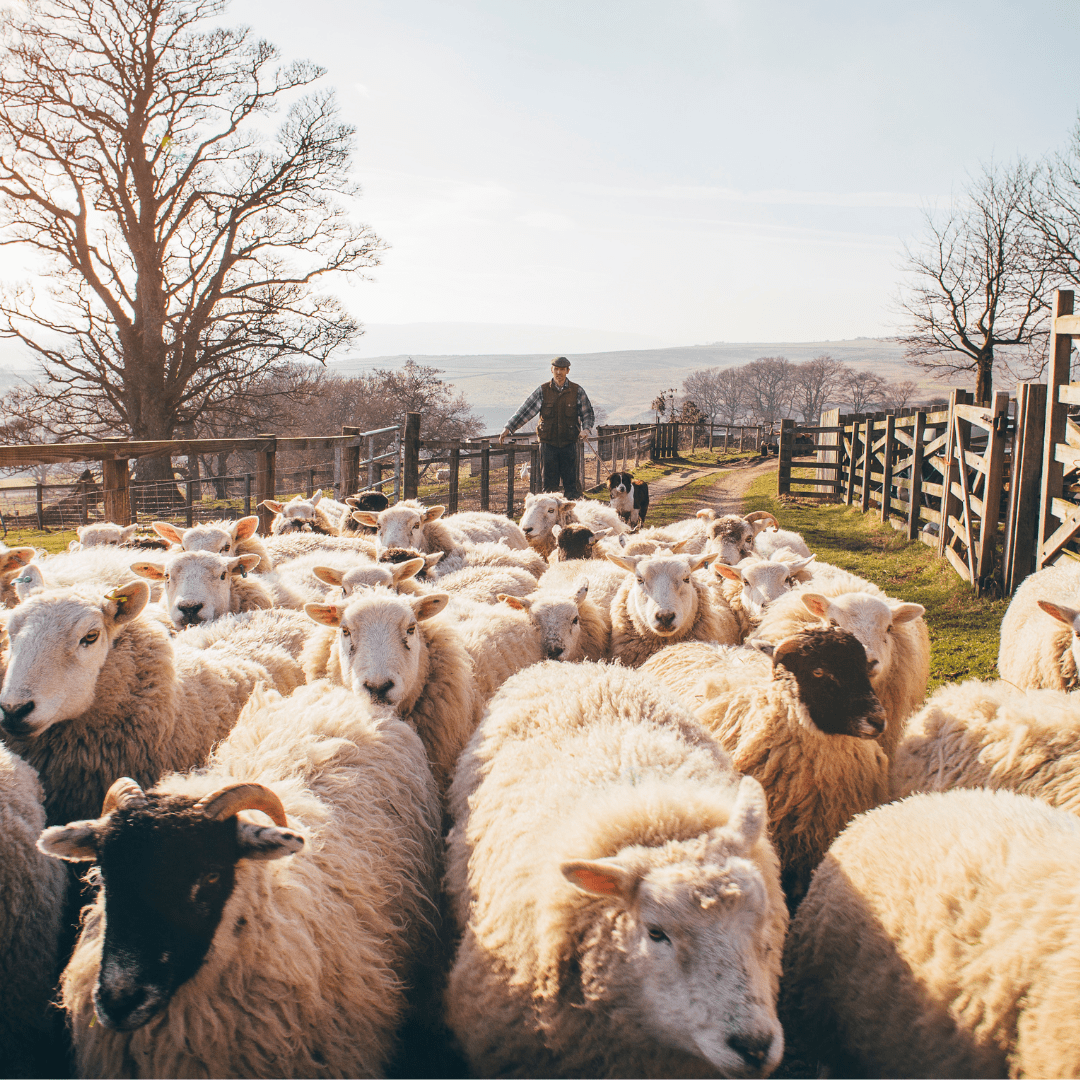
[583,434]
[502,437]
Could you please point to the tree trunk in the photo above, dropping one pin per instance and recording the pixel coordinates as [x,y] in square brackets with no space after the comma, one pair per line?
[984,384]
[220,483]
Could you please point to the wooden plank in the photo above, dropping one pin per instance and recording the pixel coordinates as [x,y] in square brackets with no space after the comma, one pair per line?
[1066,455]
[949,469]
[1059,538]
[994,464]
[265,482]
[813,480]
[969,539]
[935,444]
[1069,393]
[485,475]
[1067,323]
[117,495]
[1058,372]
[452,496]
[852,447]
[904,439]
[958,564]
[868,442]
[888,453]
[1063,509]
[979,415]
[930,515]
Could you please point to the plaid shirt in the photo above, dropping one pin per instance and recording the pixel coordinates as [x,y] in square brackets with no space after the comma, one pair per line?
[531,406]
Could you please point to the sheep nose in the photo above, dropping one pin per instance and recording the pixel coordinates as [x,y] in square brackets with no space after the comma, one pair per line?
[666,619]
[753,1049]
[15,715]
[526,529]
[189,613]
[873,667]
[115,1007]
[555,652]
[379,691]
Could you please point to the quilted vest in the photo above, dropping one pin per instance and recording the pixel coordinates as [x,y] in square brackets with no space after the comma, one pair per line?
[558,414]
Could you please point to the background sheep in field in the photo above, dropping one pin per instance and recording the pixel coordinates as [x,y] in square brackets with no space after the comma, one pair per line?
[804,723]
[937,939]
[617,897]
[95,690]
[662,602]
[238,537]
[301,938]
[33,888]
[571,627]
[304,515]
[543,512]
[990,734]
[1039,643]
[893,634]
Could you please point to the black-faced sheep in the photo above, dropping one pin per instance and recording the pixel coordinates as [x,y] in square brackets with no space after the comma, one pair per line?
[371,501]
[617,897]
[938,939]
[574,541]
[223,946]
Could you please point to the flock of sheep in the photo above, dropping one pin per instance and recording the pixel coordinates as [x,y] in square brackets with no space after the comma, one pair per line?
[577,800]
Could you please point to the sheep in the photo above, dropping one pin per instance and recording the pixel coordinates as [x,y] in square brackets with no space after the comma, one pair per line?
[491,554]
[342,582]
[661,602]
[105,533]
[990,734]
[391,649]
[615,892]
[893,634]
[690,533]
[636,544]
[95,690]
[486,583]
[571,627]
[604,578]
[371,499]
[806,726]
[410,524]
[442,476]
[1039,644]
[290,546]
[683,668]
[731,536]
[274,638]
[542,512]
[222,537]
[937,940]
[770,540]
[525,472]
[222,946]
[12,564]
[304,515]
[482,527]
[105,565]
[751,585]
[575,542]
[426,573]
[31,917]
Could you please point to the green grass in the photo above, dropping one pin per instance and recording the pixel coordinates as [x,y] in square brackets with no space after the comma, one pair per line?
[963,628]
[53,542]
[683,503]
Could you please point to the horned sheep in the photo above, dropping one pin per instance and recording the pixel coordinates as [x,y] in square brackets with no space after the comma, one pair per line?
[616,893]
[731,536]
[300,939]
[937,940]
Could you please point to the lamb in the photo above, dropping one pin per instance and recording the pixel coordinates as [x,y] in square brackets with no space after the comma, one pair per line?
[574,542]
[1039,644]
[391,649]
[990,734]
[442,476]
[304,515]
[31,916]
[749,587]
[571,627]
[542,512]
[893,634]
[805,726]
[661,602]
[410,524]
[222,537]
[732,536]
[95,690]
[372,500]
[300,939]
[614,888]
[937,940]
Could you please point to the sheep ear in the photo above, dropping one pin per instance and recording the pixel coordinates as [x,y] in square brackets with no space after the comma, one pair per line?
[518,603]
[1069,616]
[167,531]
[816,604]
[732,573]
[750,814]
[409,568]
[796,565]
[424,607]
[433,512]
[432,560]
[677,548]
[126,601]
[243,563]
[706,514]
[127,533]
[76,842]
[328,574]
[698,561]
[601,877]
[272,504]
[324,614]
[149,570]
[555,530]
[244,528]
[30,580]
[582,589]
[316,498]
[262,843]
[16,558]
[599,534]
[626,562]
[906,613]
[366,517]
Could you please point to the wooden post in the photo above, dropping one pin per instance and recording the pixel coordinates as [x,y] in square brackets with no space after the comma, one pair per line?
[189,498]
[951,505]
[510,480]
[992,489]
[485,474]
[853,457]
[266,481]
[915,491]
[410,456]
[867,459]
[371,462]
[455,465]
[1057,375]
[783,458]
[1021,526]
[311,480]
[534,468]
[888,453]
[40,506]
[114,482]
[247,494]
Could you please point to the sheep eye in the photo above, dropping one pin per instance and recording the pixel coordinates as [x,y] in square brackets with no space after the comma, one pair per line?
[345,632]
[411,631]
[223,572]
[656,934]
[212,878]
[686,581]
[576,621]
[90,638]
[818,672]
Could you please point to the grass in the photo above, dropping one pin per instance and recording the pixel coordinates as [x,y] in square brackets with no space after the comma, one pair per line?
[53,542]
[683,503]
[964,628]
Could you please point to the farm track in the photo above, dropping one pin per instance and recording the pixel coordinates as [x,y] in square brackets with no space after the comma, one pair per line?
[725,496]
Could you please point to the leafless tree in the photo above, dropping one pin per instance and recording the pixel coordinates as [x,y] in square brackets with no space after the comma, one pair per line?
[731,387]
[818,382]
[862,390]
[978,282]
[770,388]
[704,389]
[182,243]
[899,395]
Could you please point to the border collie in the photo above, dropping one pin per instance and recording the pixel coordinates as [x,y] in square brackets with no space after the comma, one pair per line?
[629,497]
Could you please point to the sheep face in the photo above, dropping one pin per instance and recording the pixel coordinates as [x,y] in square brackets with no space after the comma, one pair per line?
[169,871]
[401,526]
[369,575]
[763,580]
[731,538]
[295,516]
[691,921]
[198,585]
[57,645]
[403,555]
[870,619]
[103,533]
[558,619]
[1067,615]
[574,542]
[381,648]
[663,597]
[221,538]
[542,512]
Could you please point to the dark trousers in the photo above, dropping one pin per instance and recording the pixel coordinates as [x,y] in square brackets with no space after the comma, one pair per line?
[559,467]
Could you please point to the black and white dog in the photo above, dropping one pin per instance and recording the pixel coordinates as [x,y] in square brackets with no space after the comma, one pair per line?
[629,497]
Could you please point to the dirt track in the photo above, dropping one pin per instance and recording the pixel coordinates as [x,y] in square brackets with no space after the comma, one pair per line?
[725,496]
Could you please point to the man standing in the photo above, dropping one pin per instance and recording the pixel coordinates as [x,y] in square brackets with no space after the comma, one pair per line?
[566,414]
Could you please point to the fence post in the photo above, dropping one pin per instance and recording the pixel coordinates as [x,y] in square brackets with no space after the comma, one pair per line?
[992,489]
[1021,525]
[1060,352]
[485,474]
[247,494]
[915,491]
[311,479]
[534,468]
[410,456]
[40,506]
[599,459]
[455,465]
[950,503]
[510,465]
[114,482]
[888,452]
[783,458]
[189,498]
[853,457]
[266,481]
[867,458]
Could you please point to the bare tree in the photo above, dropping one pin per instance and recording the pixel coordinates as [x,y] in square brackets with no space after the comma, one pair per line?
[899,395]
[183,246]
[770,388]
[979,284]
[1053,210]
[818,382]
[731,389]
[862,390]
[704,389]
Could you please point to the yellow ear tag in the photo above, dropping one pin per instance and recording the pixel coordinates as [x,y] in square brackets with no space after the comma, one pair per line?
[113,596]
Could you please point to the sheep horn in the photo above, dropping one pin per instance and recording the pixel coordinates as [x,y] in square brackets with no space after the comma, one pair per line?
[763,515]
[124,793]
[228,801]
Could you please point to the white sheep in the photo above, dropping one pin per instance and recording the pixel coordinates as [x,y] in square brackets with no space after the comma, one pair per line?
[731,536]
[571,626]
[805,722]
[410,524]
[102,533]
[542,512]
[33,888]
[491,554]
[604,578]
[442,476]
[95,690]
[1039,643]
[301,515]
[893,634]
[486,583]
[107,566]
[615,891]
[991,734]
[222,537]
[937,940]
[283,549]
[341,581]
[13,562]
[274,638]
[690,533]
[483,527]
[773,539]
[661,602]
[749,587]
[283,949]
[685,668]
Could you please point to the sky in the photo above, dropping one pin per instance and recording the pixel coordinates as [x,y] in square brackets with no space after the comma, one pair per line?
[668,172]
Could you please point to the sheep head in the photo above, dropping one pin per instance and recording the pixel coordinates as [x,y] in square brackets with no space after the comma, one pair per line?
[558,618]
[198,584]
[763,580]
[662,597]
[401,526]
[219,537]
